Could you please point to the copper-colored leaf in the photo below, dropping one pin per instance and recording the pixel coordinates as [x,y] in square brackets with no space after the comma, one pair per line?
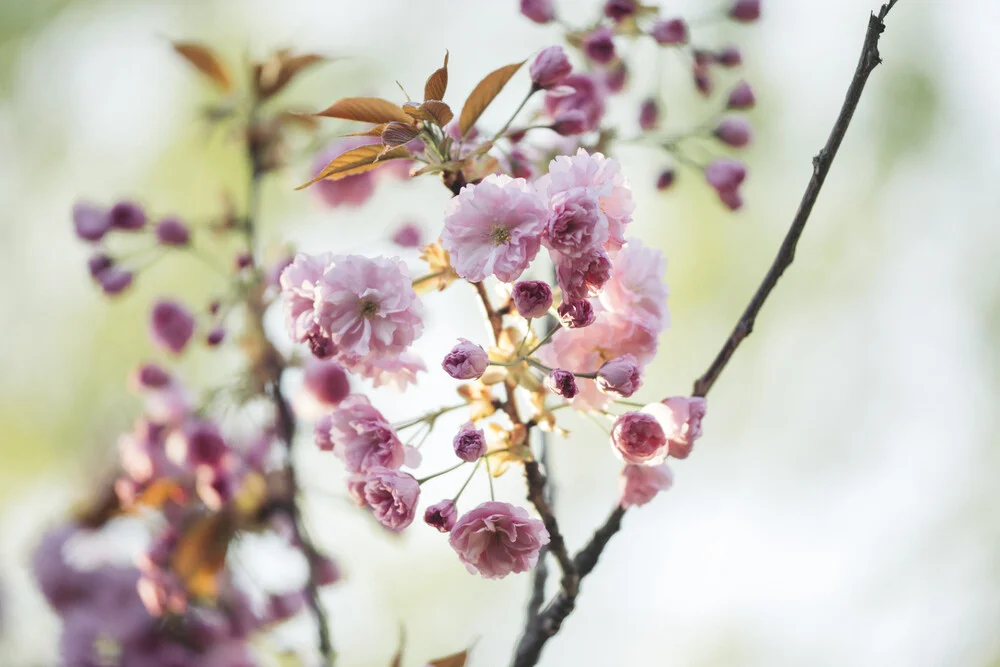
[397,134]
[356,161]
[437,83]
[305,121]
[373,131]
[454,660]
[484,93]
[432,111]
[201,553]
[206,62]
[280,71]
[366,109]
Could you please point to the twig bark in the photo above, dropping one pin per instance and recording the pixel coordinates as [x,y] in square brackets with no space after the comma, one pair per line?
[547,623]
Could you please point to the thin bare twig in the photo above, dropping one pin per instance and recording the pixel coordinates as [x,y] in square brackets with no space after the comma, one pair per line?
[547,623]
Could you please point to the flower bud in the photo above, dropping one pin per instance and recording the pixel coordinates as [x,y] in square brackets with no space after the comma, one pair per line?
[171,325]
[326,381]
[620,376]
[569,123]
[151,376]
[670,33]
[741,97]
[640,484]
[202,444]
[550,67]
[562,383]
[99,263]
[127,216]
[539,11]
[745,10]
[90,222]
[469,443]
[320,345]
[665,179]
[619,10]
[171,231]
[325,570]
[733,131]
[243,260]
[442,516]
[114,280]
[725,174]
[576,313]
[532,298]
[730,56]
[649,114]
[599,45]
[466,361]
[616,77]
[639,438]
[215,336]
[702,79]
[407,236]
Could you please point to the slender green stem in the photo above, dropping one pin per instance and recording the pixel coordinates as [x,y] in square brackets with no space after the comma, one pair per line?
[516,111]
[631,404]
[489,476]
[429,417]
[469,479]
[527,332]
[429,276]
[443,472]
[543,341]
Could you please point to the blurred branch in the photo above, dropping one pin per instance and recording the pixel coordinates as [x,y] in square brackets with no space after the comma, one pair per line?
[540,574]
[546,624]
[869,60]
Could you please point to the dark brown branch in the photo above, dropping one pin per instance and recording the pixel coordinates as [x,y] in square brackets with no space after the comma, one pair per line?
[540,575]
[548,622]
[557,545]
[868,61]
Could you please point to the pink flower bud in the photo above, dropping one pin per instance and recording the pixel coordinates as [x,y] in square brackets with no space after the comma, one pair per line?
[171,231]
[442,516]
[599,45]
[326,381]
[733,131]
[215,336]
[745,10]
[114,280]
[469,443]
[562,383]
[214,307]
[127,216]
[741,97]
[616,77]
[283,606]
[640,484]
[665,179]
[151,376]
[620,376]
[576,313]
[320,345]
[639,438]
[569,123]
[497,539]
[702,80]
[171,325]
[550,67]
[90,222]
[669,33]
[618,10]
[99,263]
[243,260]
[392,496]
[725,176]
[407,236]
[466,361]
[732,199]
[730,56]
[649,114]
[539,11]
[202,444]
[532,298]
[325,570]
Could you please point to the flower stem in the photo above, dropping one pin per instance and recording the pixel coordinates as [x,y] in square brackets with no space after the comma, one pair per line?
[514,115]
[468,479]
[443,472]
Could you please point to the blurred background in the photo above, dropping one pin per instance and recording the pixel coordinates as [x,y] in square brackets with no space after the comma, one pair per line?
[842,507]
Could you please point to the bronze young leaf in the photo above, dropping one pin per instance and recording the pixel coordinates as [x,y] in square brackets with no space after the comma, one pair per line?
[277,73]
[397,134]
[366,110]
[437,83]
[356,161]
[484,93]
[206,62]
[432,111]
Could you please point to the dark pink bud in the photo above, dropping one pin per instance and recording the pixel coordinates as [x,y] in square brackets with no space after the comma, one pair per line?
[469,443]
[729,57]
[515,137]
[702,80]
[215,336]
[616,77]
[550,67]
[171,325]
[703,58]
[203,444]
[171,231]
[325,571]
[576,313]
[639,438]
[285,605]
[327,381]
[669,33]
[90,222]
[127,216]
[442,516]
[152,376]
[620,377]
[725,174]
[243,260]
[466,361]
[99,263]
[745,10]
[570,122]
[649,114]
[407,236]
[600,45]
[114,280]
[665,179]
[619,10]
[532,298]
[320,345]
[733,131]
[562,383]
[741,97]
[732,199]
[213,308]
[539,11]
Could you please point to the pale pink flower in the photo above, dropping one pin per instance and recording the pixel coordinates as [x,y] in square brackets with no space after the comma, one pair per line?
[601,177]
[390,494]
[620,377]
[298,287]
[362,437]
[681,419]
[396,372]
[640,484]
[582,277]
[496,539]
[494,228]
[638,438]
[577,225]
[367,306]
[636,289]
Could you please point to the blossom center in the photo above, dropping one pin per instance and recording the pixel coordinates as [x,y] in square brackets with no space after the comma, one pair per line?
[499,235]
[368,308]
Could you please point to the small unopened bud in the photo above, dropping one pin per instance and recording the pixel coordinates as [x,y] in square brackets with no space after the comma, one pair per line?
[745,10]
[539,11]
[466,361]
[532,298]
[665,179]
[702,79]
[327,382]
[649,114]
[576,313]
[320,345]
[741,97]
[215,336]
[127,216]
[90,222]
[620,376]
[469,443]
[619,10]
[171,325]
[670,33]
[599,45]
[550,67]
[733,131]
[115,280]
[442,516]
[171,231]
[562,383]
[99,263]
[243,260]
[570,122]
[616,77]
[407,236]
[729,57]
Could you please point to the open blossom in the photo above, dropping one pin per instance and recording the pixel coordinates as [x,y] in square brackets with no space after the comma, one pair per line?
[469,442]
[640,484]
[639,438]
[494,228]
[620,376]
[582,277]
[367,306]
[602,179]
[577,225]
[636,289]
[562,383]
[298,287]
[466,361]
[362,437]
[496,539]
[398,372]
[390,494]
[681,419]
[578,92]
[576,313]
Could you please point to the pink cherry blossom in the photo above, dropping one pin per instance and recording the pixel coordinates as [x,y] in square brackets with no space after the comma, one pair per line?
[465,361]
[638,438]
[362,437]
[681,419]
[397,372]
[582,277]
[494,228]
[442,515]
[298,287]
[636,289]
[496,539]
[620,377]
[171,325]
[577,225]
[585,93]
[367,306]
[640,484]
[390,494]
